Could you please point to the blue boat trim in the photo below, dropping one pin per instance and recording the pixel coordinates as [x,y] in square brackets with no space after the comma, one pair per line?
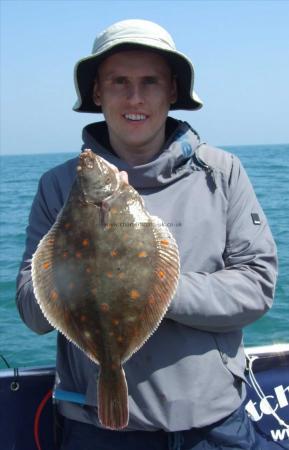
[68,396]
[269,366]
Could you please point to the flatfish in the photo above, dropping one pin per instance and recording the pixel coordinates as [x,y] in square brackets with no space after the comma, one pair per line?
[104,276]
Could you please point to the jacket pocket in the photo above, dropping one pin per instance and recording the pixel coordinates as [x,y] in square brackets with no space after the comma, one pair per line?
[231,350]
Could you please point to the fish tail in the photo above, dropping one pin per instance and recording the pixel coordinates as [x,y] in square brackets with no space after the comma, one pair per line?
[112,398]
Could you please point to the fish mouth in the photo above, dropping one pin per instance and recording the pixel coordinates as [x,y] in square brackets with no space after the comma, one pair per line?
[87,160]
[92,164]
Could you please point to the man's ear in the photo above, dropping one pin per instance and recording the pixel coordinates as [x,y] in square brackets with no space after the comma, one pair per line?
[174,91]
[96,93]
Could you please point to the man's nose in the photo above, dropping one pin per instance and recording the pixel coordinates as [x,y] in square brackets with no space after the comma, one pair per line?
[135,93]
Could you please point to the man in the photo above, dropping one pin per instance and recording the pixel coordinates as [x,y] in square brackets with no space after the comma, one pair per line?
[186,384]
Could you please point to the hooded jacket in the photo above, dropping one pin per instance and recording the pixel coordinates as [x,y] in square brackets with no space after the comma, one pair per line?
[191,372]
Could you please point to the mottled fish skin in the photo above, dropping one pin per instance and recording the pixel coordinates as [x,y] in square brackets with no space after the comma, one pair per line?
[104,276]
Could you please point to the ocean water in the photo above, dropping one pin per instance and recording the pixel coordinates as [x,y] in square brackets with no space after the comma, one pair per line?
[268,169]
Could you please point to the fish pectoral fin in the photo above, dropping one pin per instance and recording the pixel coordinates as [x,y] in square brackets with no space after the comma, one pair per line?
[103,213]
[112,398]
[105,207]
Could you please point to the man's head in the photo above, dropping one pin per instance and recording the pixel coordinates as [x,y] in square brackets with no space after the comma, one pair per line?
[139,35]
[135,90]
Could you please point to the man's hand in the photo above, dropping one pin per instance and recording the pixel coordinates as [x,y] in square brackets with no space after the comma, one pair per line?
[123,177]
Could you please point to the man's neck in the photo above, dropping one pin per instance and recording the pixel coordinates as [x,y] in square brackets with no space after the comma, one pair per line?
[136,155]
[136,158]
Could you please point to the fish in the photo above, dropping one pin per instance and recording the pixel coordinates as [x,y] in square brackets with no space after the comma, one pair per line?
[104,276]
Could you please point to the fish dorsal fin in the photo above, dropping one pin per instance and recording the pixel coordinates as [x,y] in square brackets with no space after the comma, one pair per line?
[166,275]
[42,276]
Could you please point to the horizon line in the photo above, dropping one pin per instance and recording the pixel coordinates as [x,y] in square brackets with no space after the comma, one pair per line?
[53,152]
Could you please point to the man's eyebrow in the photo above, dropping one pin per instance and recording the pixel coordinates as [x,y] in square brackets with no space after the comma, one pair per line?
[107,75]
[114,73]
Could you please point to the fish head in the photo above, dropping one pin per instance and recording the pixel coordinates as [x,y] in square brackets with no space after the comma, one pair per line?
[97,179]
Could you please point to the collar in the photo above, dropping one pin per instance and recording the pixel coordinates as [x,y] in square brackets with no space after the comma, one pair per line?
[174,161]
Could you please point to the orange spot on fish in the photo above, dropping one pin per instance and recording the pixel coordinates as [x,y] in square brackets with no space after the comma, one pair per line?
[134,294]
[161,274]
[78,255]
[109,274]
[142,254]
[113,210]
[151,300]
[85,242]
[46,265]
[104,307]
[115,321]
[121,275]
[113,253]
[119,339]
[54,295]
[164,242]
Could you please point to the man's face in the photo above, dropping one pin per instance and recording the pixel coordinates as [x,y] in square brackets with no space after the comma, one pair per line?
[135,90]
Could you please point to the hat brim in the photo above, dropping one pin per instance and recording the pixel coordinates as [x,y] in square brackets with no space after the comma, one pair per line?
[86,69]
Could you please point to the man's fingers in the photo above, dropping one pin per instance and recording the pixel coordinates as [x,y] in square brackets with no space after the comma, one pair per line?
[123,177]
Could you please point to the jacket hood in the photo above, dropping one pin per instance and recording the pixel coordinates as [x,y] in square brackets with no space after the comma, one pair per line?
[173,162]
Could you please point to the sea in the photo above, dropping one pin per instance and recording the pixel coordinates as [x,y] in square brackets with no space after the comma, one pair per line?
[268,169]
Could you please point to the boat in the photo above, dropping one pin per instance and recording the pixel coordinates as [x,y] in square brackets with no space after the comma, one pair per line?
[29,420]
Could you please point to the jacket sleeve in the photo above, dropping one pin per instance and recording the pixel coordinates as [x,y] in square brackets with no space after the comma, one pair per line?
[243,290]
[46,205]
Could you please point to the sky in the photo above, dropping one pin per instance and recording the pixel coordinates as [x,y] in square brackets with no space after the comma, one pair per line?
[239,49]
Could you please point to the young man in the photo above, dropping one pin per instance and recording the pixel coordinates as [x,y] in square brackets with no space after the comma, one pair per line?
[186,384]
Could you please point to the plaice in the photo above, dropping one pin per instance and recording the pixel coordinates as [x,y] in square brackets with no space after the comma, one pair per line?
[104,276]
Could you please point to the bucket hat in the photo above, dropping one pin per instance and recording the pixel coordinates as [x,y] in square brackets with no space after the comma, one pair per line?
[132,34]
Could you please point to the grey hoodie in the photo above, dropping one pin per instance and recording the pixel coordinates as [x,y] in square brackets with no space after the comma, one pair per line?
[190,373]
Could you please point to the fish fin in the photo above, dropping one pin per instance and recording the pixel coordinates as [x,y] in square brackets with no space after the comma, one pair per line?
[42,271]
[50,300]
[166,276]
[42,276]
[166,272]
[47,297]
[167,264]
[112,398]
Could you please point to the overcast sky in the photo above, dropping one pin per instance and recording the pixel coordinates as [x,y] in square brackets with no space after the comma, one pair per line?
[240,52]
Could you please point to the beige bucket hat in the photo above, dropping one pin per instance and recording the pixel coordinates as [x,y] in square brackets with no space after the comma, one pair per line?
[127,34]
